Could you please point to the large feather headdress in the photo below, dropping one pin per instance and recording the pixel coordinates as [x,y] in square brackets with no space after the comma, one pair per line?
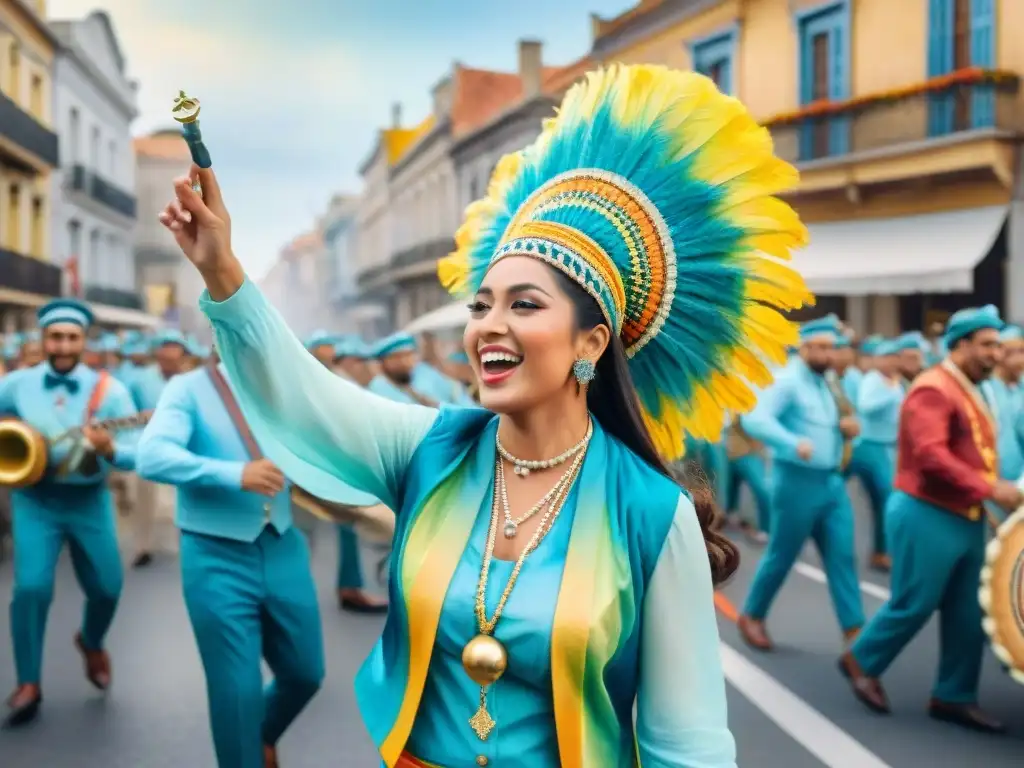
[656,193]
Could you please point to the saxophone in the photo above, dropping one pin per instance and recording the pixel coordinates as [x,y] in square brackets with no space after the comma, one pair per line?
[846,410]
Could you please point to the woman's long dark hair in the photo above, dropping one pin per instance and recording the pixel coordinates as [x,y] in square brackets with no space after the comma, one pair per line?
[613,400]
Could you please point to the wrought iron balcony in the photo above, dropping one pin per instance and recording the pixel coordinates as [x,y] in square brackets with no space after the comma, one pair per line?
[114,297]
[23,273]
[20,128]
[102,191]
[966,101]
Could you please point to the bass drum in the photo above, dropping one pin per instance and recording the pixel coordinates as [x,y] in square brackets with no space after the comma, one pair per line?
[1002,594]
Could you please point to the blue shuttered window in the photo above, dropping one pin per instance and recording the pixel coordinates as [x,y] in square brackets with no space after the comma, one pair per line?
[714,56]
[825,75]
[949,112]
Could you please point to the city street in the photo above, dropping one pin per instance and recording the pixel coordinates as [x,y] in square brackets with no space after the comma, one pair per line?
[789,709]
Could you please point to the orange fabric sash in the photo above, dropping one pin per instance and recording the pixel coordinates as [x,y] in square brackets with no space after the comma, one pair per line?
[408,761]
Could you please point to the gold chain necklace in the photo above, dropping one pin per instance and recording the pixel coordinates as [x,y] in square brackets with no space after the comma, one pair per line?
[484,658]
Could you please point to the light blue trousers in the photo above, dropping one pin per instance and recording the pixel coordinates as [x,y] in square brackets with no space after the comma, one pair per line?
[750,470]
[937,559]
[44,519]
[350,566]
[247,601]
[809,503]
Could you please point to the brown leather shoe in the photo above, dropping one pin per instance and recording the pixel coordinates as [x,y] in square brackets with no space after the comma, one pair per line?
[965,715]
[868,690]
[754,633]
[97,664]
[270,757]
[24,705]
[358,601]
[881,563]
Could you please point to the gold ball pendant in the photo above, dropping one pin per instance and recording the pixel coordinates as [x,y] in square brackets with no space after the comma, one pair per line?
[484,660]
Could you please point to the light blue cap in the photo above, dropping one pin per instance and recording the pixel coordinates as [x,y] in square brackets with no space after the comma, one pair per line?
[320,338]
[135,347]
[884,347]
[168,336]
[398,342]
[967,321]
[1011,333]
[843,341]
[869,346]
[459,357]
[65,310]
[352,346]
[823,326]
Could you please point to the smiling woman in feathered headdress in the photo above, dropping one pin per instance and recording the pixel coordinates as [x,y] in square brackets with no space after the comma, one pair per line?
[627,281]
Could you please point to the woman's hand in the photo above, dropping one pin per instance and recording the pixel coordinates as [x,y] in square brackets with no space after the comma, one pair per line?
[202,228]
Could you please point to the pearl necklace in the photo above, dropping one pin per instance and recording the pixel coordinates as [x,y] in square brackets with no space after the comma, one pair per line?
[511,527]
[523,467]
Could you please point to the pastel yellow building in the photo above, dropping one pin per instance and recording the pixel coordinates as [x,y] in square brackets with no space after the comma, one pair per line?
[904,119]
[28,153]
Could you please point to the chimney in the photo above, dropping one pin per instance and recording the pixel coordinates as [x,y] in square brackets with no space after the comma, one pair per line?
[596,27]
[531,68]
[396,115]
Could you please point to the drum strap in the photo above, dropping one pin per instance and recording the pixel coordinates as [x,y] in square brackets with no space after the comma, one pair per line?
[234,412]
[99,392]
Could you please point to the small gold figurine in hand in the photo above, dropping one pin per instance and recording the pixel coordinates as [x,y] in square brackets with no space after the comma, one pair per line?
[186,109]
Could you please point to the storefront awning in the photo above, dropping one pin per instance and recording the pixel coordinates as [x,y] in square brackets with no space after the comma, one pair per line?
[928,253]
[449,317]
[121,316]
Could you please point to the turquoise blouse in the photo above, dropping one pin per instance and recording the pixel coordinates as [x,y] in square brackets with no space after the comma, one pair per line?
[307,417]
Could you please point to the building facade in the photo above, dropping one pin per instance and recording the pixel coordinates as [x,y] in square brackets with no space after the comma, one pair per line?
[298,285]
[169,285]
[28,154]
[95,207]
[340,235]
[910,182]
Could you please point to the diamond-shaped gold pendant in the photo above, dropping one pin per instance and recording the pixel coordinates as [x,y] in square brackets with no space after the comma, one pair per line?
[482,723]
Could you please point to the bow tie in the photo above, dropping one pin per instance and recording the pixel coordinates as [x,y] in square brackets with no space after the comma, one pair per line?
[52,381]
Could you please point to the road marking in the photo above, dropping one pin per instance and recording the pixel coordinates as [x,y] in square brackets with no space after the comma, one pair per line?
[801,722]
[818,575]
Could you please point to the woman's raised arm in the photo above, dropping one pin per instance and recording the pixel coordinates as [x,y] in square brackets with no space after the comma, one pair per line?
[329,436]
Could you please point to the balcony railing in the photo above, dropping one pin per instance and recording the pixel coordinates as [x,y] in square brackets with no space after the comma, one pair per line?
[102,191]
[965,101]
[23,273]
[26,132]
[113,297]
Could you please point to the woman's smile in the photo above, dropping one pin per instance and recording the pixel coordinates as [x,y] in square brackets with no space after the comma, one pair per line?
[497,364]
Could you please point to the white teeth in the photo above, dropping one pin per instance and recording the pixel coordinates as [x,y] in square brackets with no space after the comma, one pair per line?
[497,357]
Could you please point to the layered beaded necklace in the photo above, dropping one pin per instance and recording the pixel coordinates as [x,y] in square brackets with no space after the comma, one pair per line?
[484,658]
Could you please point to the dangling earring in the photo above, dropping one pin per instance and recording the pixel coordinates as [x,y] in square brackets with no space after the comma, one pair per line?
[584,371]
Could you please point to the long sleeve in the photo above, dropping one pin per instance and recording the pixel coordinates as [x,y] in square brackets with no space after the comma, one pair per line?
[926,416]
[763,423]
[118,404]
[7,384]
[682,715]
[163,451]
[329,436]
[876,394]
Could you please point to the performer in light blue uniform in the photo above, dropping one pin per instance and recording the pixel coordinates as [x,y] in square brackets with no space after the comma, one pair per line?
[911,353]
[397,381]
[1003,394]
[747,466]
[75,509]
[245,570]
[878,406]
[798,418]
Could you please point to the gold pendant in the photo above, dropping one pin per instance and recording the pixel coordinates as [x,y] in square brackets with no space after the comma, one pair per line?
[482,723]
[484,659]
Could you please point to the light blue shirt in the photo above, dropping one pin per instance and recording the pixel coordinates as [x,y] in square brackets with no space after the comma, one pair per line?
[431,382]
[146,386]
[192,443]
[54,411]
[851,382]
[1007,406]
[798,406]
[878,406]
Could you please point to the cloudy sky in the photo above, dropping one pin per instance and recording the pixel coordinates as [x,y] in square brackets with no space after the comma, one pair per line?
[293,92]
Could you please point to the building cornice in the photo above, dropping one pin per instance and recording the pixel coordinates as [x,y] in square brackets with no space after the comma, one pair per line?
[668,14]
[519,111]
[37,22]
[79,58]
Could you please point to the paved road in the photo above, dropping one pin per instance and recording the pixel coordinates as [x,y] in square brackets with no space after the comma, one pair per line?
[789,709]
